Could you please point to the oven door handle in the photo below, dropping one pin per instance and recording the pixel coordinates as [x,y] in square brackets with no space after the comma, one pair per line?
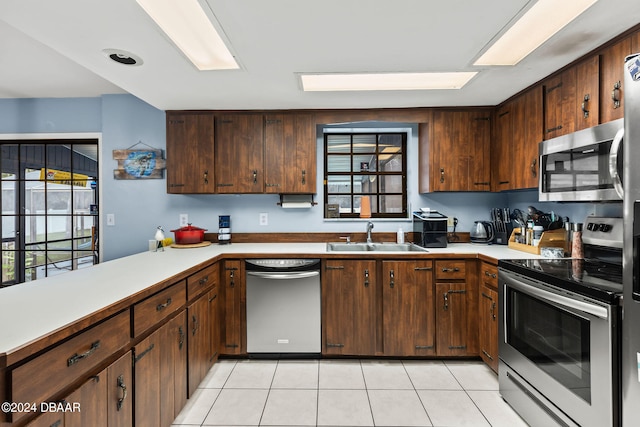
[585,307]
[283,276]
[616,179]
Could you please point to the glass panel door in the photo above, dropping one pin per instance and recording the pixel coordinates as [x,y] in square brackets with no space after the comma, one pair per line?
[49,208]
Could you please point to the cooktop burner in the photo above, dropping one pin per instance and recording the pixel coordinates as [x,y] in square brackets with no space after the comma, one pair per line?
[590,277]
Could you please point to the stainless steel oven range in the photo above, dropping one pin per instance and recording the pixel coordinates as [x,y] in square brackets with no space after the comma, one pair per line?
[560,322]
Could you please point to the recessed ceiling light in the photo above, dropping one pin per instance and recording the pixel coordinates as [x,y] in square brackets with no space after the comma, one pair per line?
[123,57]
[544,19]
[189,26]
[384,81]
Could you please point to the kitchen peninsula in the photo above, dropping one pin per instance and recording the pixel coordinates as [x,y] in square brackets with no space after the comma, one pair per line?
[81,325]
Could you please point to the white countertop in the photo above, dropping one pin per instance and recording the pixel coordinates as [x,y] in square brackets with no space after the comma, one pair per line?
[32,310]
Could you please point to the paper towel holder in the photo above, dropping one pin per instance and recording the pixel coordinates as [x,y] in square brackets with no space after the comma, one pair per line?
[288,201]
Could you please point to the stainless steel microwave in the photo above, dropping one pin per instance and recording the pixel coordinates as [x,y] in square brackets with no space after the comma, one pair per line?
[583,166]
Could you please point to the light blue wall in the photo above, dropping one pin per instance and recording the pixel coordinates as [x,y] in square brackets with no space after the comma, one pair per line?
[140,206]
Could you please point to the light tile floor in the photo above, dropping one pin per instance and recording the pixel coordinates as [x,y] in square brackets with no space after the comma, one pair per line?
[348,393]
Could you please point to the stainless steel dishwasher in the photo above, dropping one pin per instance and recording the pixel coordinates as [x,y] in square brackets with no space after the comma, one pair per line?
[283,306]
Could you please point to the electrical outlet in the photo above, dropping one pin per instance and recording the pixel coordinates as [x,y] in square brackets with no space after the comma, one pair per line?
[264,218]
[450,222]
[111,219]
[184,220]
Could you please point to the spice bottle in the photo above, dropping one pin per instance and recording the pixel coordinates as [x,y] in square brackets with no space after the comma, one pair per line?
[576,241]
[568,227]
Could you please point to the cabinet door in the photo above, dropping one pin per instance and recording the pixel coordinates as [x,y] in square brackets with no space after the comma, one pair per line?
[190,153]
[120,392]
[173,368]
[290,153]
[611,80]
[460,151]
[92,403]
[489,326]
[407,305]
[349,307]
[234,300]
[502,149]
[214,316]
[199,334]
[587,106]
[239,153]
[560,96]
[527,126]
[451,308]
[147,381]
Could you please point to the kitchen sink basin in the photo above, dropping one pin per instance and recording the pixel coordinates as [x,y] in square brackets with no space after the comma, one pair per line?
[374,247]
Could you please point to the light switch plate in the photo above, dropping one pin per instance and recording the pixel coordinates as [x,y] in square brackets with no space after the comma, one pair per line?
[111,219]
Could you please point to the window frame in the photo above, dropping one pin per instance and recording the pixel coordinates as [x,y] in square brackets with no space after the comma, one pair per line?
[377,194]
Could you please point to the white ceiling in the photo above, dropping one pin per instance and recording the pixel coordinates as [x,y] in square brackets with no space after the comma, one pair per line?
[54,49]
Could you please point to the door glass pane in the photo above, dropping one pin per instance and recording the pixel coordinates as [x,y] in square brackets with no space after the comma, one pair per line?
[364,163]
[363,143]
[343,201]
[338,163]
[8,262]
[391,204]
[339,184]
[338,143]
[9,162]
[391,183]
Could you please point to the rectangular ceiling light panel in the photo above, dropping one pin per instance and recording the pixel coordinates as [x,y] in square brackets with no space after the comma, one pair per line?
[384,81]
[544,19]
[189,27]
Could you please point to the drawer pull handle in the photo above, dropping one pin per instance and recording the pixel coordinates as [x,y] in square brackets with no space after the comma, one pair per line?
[335,345]
[181,338]
[449,270]
[161,307]
[304,177]
[203,280]
[144,353]
[615,94]
[195,325]
[487,354]
[213,297]
[422,269]
[424,347]
[78,357]
[123,387]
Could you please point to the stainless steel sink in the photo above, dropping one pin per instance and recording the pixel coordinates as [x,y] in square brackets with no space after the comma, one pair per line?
[374,247]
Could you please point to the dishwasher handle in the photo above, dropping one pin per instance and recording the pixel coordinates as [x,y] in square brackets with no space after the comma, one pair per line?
[283,275]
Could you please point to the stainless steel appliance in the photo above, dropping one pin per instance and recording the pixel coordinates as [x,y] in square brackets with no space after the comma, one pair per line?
[559,333]
[283,306]
[430,229]
[584,165]
[482,232]
[631,274]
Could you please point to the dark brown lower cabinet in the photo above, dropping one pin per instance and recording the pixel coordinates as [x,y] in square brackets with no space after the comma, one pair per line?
[104,400]
[199,329]
[407,307]
[233,294]
[451,309]
[488,314]
[349,307]
[160,369]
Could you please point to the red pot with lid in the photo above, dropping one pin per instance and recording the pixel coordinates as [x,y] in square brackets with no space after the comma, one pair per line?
[189,234]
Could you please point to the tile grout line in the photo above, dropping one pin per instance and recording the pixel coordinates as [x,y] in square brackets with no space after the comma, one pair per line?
[469,396]
[219,393]
[416,391]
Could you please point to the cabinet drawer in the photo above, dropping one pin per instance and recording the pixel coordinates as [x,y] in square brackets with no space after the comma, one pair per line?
[489,274]
[202,280]
[41,378]
[451,270]
[158,306]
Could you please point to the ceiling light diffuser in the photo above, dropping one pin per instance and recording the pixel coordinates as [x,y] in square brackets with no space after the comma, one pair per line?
[189,27]
[544,19]
[384,81]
